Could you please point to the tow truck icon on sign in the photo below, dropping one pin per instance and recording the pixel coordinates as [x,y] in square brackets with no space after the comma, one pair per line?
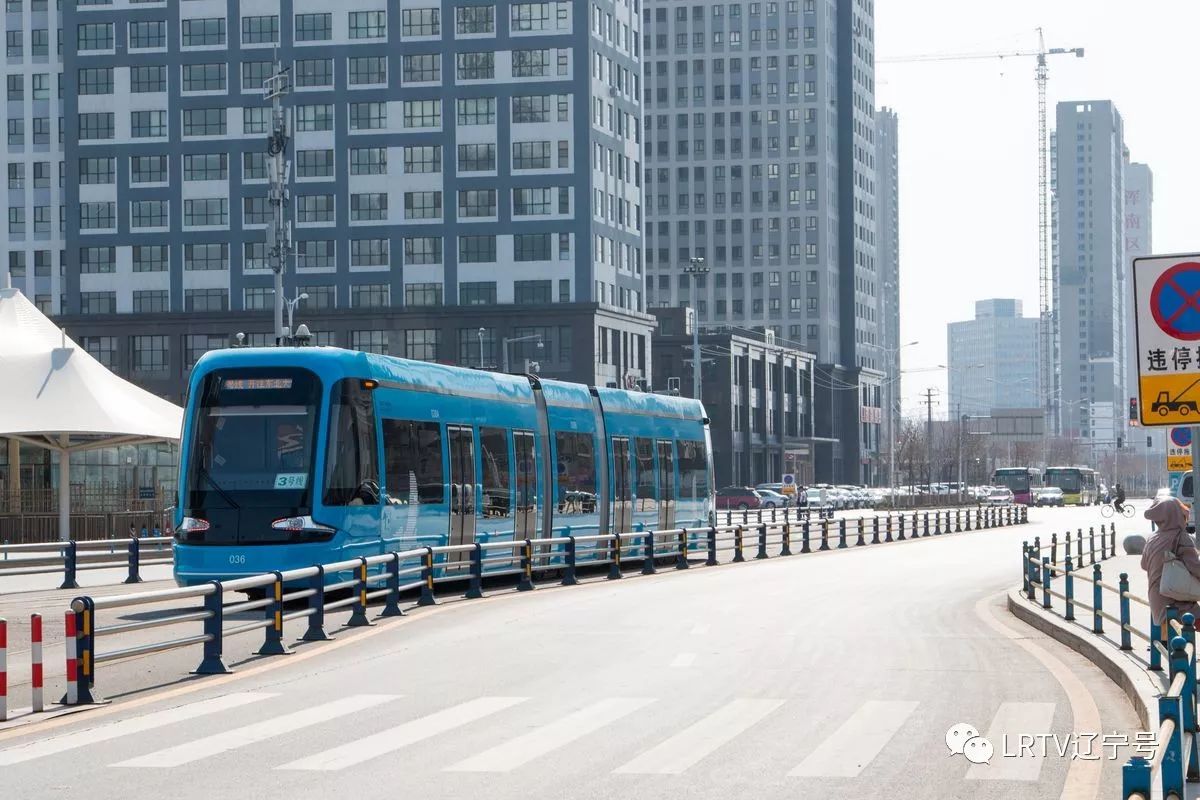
[1164,404]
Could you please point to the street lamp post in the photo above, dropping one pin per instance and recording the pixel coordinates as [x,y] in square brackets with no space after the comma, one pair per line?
[696,268]
[291,303]
[532,337]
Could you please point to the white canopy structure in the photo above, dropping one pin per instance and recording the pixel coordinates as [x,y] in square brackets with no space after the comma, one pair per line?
[53,394]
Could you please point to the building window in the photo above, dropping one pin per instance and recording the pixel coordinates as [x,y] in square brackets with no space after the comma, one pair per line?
[531,247]
[423,159]
[314,208]
[369,252]
[206,212]
[316,254]
[97,302]
[258,298]
[91,171]
[254,256]
[148,79]
[476,249]
[422,68]
[92,216]
[148,169]
[531,292]
[532,202]
[256,211]
[531,155]
[477,293]
[97,260]
[423,250]
[203,122]
[197,344]
[530,17]
[368,161]
[91,81]
[206,167]
[147,124]
[313,27]
[530,63]
[314,118]
[206,300]
[422,294]
[320,298]
[203,77]
[98,125]
[314,163]
[260,30]
[477,111]
[203,32]
[150,258]
[477,203]
[369,295]
[94,36]
[474,20]
[205,257]
[312,72]
[422,205]
[256,119]
[368,70]
[150,301]
[420,22]
[475,66]
[476,158]
[371,116]
[369,341]
[422,113]
[531,108]
[147,35]
[148,214]
[254,166]
[368,24]
[422,344]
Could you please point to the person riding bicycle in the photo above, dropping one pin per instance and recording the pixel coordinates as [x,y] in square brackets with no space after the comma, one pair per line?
[1118,497]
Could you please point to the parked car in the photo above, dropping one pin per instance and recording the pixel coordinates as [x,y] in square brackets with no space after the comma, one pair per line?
[772,498]
[738,497]
[812,499]
[999,496]
[1048,496]
[789,491]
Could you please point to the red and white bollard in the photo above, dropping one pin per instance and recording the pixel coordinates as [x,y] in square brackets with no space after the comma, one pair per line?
[3,670]
[72,660]
[35,651]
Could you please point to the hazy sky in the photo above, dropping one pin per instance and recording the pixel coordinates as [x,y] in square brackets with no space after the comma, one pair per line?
[968,142]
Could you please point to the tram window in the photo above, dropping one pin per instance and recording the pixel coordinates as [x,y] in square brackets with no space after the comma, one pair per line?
[497,481]
[352,466]
[693,469]
[576,454]
[412,454]
[647,489]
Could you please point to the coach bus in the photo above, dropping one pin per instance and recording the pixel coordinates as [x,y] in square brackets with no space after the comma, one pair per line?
[1022,481]
[299,456]
[1078,484]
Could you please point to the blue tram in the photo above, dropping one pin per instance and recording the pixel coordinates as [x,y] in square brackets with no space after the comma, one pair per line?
[299,456]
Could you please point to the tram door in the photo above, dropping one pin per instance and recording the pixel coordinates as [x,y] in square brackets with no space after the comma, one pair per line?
[527,489]
[622,490]
[462,489]
[666,485]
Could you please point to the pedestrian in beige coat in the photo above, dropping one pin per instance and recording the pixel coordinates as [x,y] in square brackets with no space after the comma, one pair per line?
[1170,518]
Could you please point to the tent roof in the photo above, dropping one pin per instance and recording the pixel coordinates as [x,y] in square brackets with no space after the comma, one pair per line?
[52,391]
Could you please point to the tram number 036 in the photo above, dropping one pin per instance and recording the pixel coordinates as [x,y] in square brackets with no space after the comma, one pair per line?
[237,559]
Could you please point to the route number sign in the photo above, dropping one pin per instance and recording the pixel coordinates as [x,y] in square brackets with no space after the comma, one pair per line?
[1166,291]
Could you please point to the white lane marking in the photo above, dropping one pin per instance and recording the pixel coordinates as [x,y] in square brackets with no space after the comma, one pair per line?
[699,629]
[849,749]
[684,660]
[1083,775]
[127,727]
[1015,719]
[393,739]
[256,732]
[537,743]
[692,744]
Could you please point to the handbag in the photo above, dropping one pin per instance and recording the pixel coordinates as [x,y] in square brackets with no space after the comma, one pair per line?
[1176,582]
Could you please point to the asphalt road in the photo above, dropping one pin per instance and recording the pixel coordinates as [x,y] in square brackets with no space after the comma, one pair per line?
[825,675]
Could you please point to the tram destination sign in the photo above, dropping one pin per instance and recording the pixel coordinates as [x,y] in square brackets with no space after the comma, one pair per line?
[1166,292]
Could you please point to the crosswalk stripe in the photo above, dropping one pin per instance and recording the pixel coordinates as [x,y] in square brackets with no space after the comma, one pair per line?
[690,745]
[393,739]
[848,751]
[525,748]
[127,727]
[256,732]
[1014,719]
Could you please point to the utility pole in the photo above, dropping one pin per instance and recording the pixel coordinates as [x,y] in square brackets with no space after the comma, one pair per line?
[696,268]
[929,438]
[279,232]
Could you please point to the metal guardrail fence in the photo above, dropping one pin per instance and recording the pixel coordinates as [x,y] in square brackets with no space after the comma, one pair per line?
[389,575]
[70,558]
[1176,757]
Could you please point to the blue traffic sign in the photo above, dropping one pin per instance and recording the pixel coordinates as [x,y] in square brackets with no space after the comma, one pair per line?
[1181,437]
[1175,301]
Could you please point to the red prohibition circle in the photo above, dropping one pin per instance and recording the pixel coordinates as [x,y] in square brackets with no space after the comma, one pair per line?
[1181,437]
[1169,280]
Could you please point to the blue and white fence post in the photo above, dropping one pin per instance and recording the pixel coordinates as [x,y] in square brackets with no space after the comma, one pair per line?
[614,568]
[316,608]
[711,561]
[214,624]
[1169,707]
[1155,660]
[1097,600]
[569,577]
[681,562]
[1026,584]
[273,641]
[738,556]
[70,565]
[875,530]
[1136,777]
[135,560]
[648,567]
[1189,696]
[786,547]
[1123,590]
[358,617]
[475,584]
[526,582]
[861,528]
[1047,577]
[762,542]
[841,534]
[1069,592]
[391,605]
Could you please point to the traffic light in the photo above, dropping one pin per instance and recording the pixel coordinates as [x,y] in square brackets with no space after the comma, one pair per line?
[1120,442]
[1133,409]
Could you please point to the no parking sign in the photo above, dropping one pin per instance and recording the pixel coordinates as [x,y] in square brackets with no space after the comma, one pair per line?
[1179,450]
[1166,293]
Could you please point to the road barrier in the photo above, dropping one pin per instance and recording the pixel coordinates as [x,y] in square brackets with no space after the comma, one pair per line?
[72,557]
[1175,759]
[388,576]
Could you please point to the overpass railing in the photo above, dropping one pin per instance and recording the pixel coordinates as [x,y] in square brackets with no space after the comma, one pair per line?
[1175,759]
[311,593]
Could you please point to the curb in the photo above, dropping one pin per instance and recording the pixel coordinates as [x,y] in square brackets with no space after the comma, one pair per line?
[1140,686]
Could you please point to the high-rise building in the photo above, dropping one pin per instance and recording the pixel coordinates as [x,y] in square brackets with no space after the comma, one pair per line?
[887,171]
[993,360]
[760,151]
[1090,290]
[453,167]
[1139,201]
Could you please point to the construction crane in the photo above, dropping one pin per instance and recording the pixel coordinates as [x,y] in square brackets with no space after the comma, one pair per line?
[1049,323]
